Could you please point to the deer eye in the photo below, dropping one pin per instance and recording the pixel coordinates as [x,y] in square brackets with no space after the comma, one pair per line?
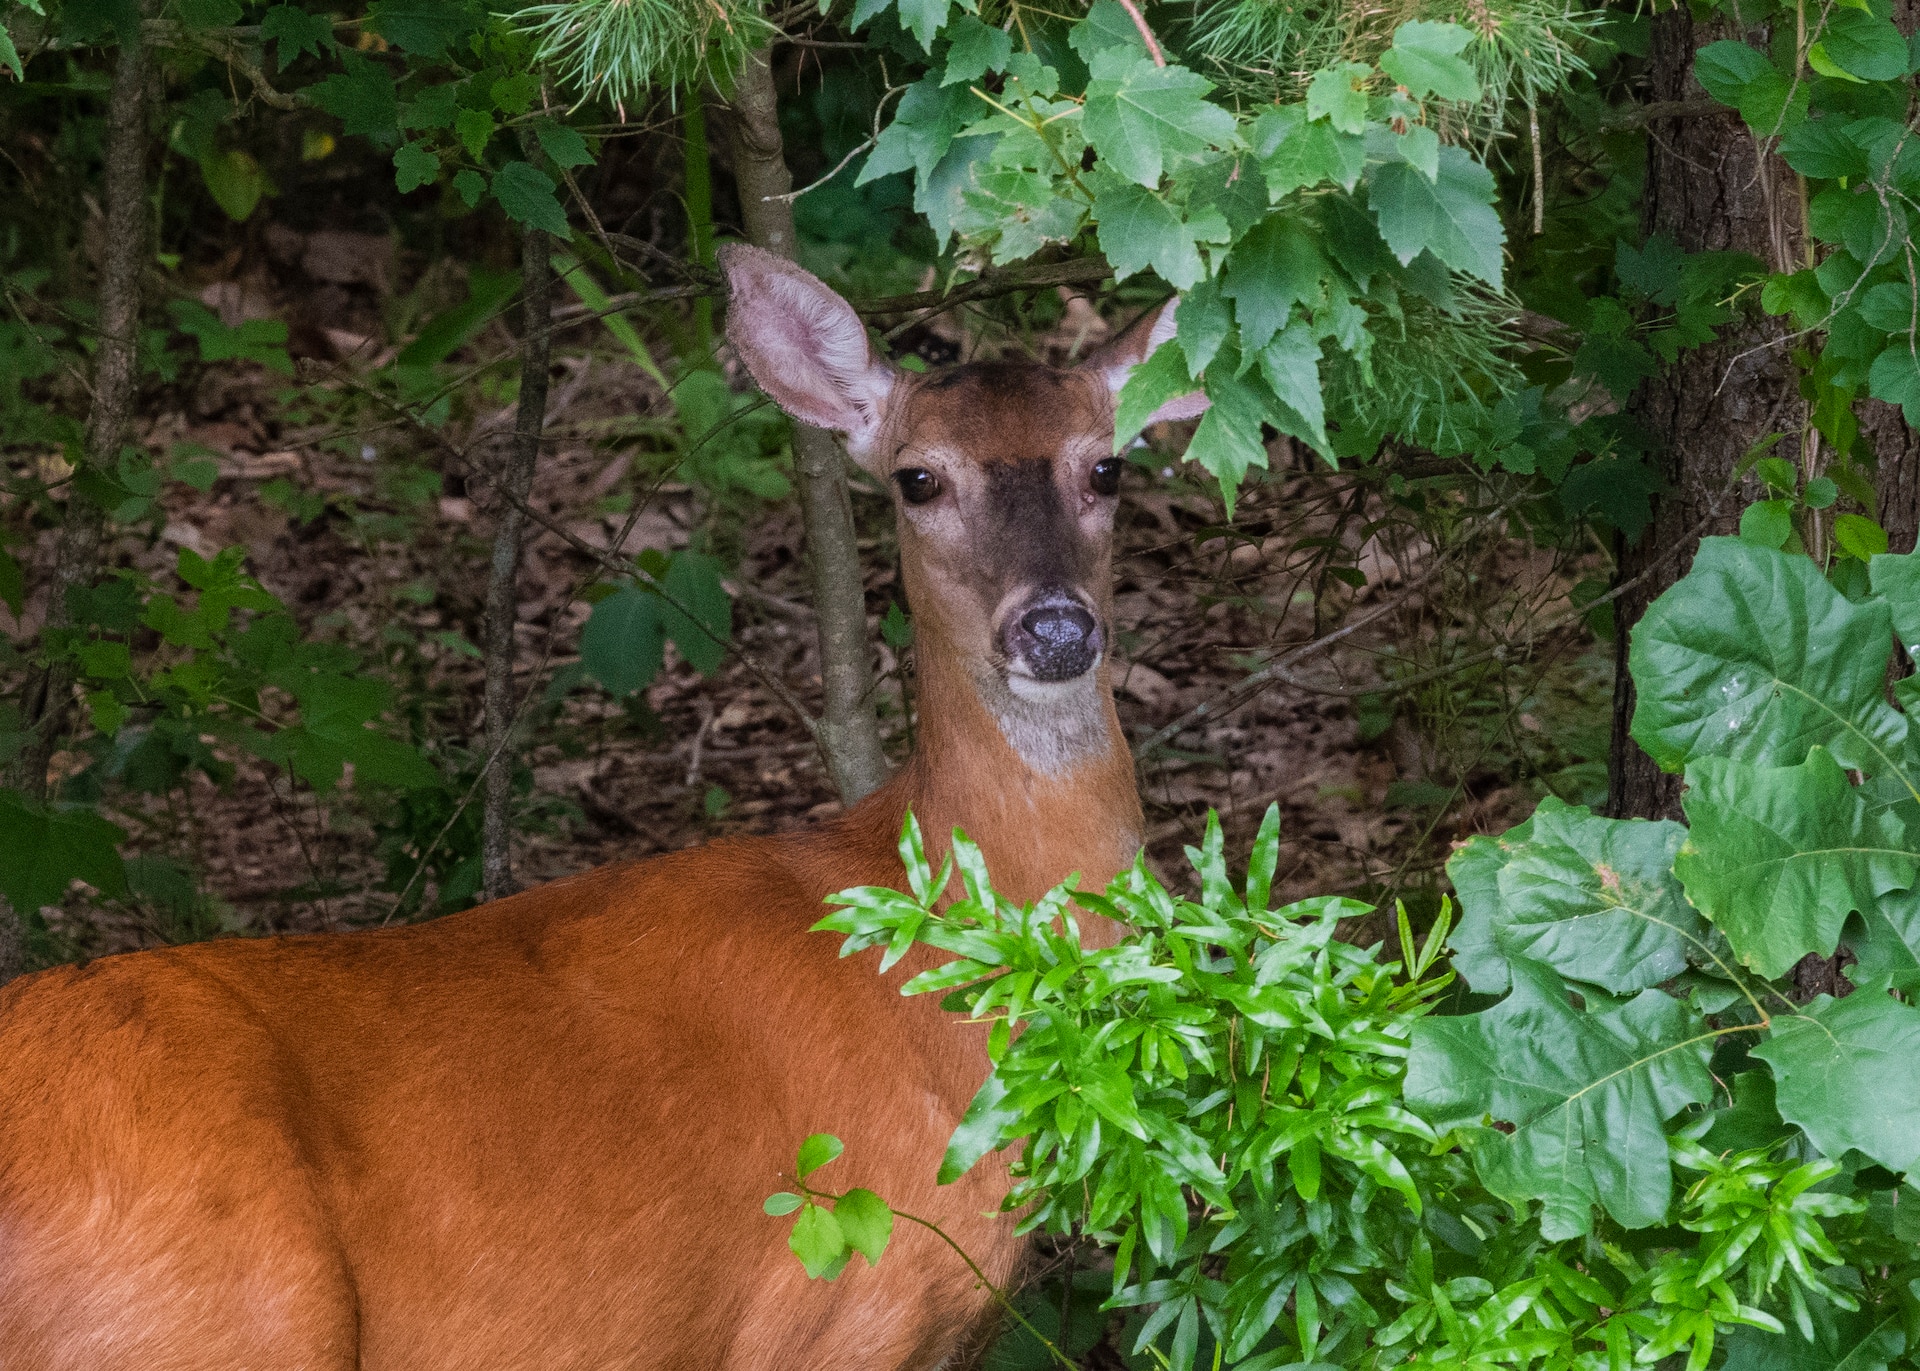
[1105,479]
[917,485]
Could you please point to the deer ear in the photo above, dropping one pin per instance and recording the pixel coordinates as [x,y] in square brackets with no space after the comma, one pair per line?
[1139,341]
[805,346]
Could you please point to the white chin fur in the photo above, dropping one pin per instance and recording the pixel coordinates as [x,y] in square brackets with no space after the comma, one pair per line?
[1039,692]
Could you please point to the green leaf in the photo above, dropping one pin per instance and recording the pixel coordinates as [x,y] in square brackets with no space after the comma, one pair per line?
[1424,58]
[1767,523]
[1202,320]
[1594,898]
[1742,77]
[474,129]
[10,55]
[781,1204]
[1290,364]
[362,96]
[1139,230]
[923,19]
[1895,378]
[923,128]
[1753,655]
[1228,440]
[980,1129]
[414,166]
[1848,1072]
[702,628]
[816,1152]
[255,340]
[866,1221]
[1587,1095]
[1859,537]
[1296,154]
[1779,856]
[624,642]
[1452,217]
[1864,45]
[1275,267]
[563,144]
[1143,118]
[296,31]
[1895,577]
[235,181]
[1891,306]
[426,28]
[818,1242]
[43,851]
[975,49]
[1848,1342]
[526,194]
[514,95]
[1162,377]
[1821,148]
[1339,95]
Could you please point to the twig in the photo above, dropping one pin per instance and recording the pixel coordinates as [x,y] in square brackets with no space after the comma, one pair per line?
[839,167]
[1072,272]
[1140,22]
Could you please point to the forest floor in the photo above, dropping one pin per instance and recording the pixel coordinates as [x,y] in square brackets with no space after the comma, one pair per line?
[366,529]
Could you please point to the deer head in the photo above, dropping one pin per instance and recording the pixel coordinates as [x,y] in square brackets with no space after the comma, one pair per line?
[1004,480]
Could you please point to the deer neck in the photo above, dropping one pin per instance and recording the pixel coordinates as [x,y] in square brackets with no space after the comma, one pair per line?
[1042,781]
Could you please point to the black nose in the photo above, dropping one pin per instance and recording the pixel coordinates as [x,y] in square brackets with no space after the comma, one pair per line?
[1059,640]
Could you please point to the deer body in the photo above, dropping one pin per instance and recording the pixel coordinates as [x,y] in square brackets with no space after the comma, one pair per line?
[537,1134]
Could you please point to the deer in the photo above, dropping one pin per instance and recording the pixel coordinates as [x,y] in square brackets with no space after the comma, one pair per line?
[537,1134]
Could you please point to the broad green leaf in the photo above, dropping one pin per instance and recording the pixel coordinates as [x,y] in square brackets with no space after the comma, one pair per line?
[1848,1072]
[923,19]
[363,96]
[526,194]
[1891,306]
[1842,1342]
[414,166]
[815,1152]
[781,1204]
[923,128]
[1290,363]
[10,55]
[1819,148]
[1594,898]
[1587,1094]
[1753,655]
[980,1128]
[235,181]
[1742,77]
[1767,523]
[1203,320]
[1162,377]
[471,185]
[1425,59]
[1475,872]
[296,31]
[1139,230]
[703,630]
[1339,96]
[1275,267]
[1228,440]
[1895,378]
[1295,153]
[563,144]
[866,1221]
[426,28]
[1863,45]
[1452,218]
[1895,577]
[818,1242]
[1777,857]
[474,129]
[975,50]
[624,642]
[514,95]
[43,851]
[1144,119]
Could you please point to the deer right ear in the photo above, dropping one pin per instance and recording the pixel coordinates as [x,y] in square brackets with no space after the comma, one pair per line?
[805,346]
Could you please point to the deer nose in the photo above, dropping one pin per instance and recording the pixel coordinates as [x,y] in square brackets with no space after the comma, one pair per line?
[1057,639]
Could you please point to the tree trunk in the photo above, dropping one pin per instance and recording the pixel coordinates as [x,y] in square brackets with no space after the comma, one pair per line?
[48,698]
[503,579]
[849,727]
[1707,190]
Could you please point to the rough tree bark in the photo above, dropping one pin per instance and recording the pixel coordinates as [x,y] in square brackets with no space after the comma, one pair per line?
[1707,189]
[49,695]
[503,578]
[849,729]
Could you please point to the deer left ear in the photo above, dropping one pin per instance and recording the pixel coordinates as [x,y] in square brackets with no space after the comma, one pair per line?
[1139,341]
